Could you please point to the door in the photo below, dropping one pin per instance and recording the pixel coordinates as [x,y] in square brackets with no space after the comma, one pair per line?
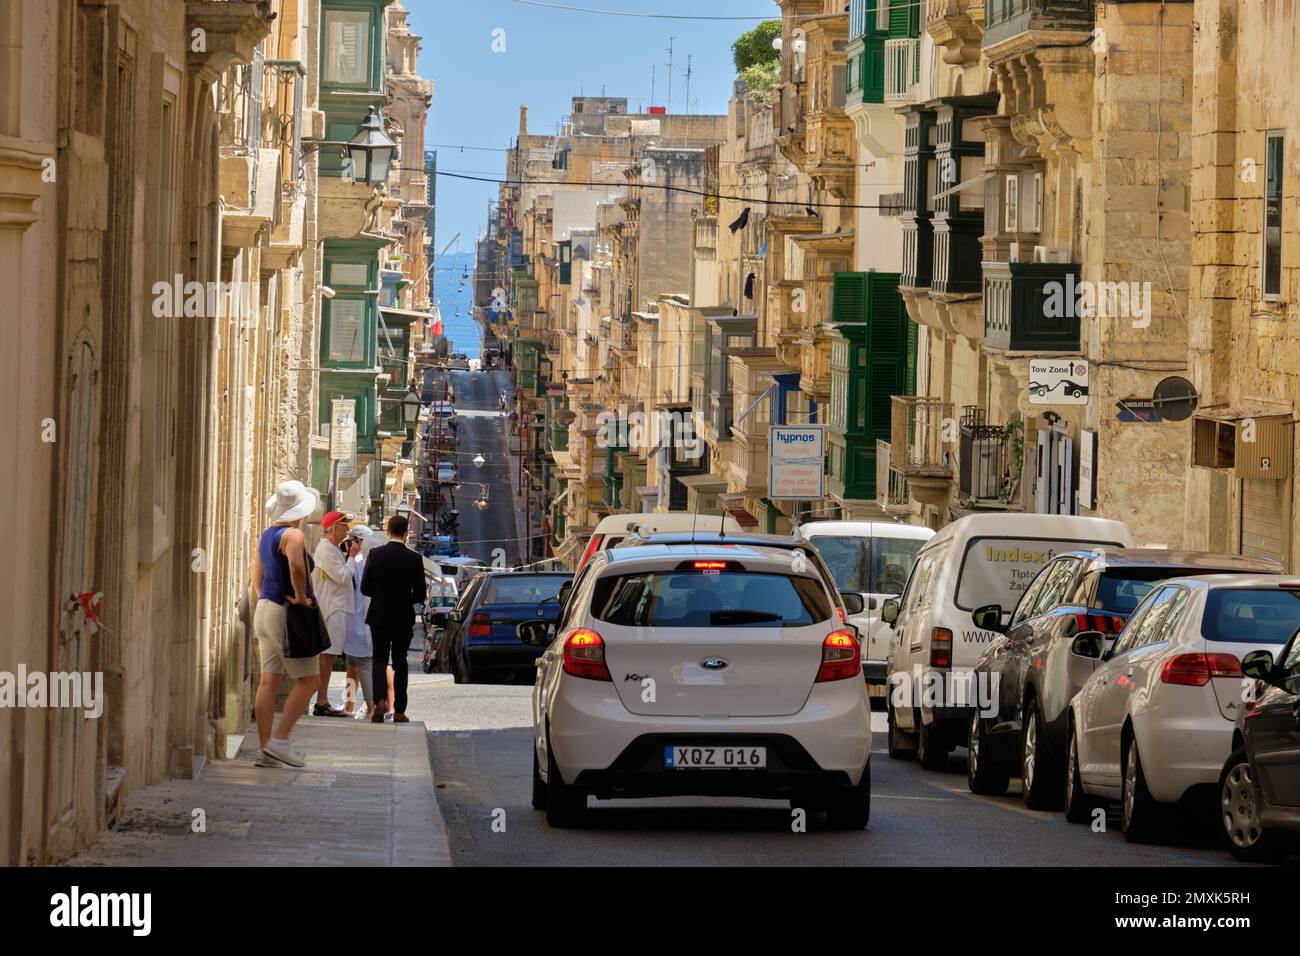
[1275,735]
[1265,522]
[890,561]
[1110,689]
[1032,641]
[907,639]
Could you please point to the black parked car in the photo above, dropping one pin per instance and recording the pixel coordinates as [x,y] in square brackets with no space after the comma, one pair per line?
[1259,789]
[1030,672]
[480,639]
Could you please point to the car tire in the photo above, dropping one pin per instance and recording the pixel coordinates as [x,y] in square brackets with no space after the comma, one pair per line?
[457,671]
[1079,805]
[1138,809]
[850,807]
[931,750]
[539,785]
[1040,785]
[982,775]
[565,805]
[1239,826]
[894,737]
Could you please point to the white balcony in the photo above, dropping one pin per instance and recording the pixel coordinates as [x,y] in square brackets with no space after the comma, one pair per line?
[902,70]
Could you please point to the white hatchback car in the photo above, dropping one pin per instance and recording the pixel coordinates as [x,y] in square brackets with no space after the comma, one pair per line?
[1154,723]
[705,669]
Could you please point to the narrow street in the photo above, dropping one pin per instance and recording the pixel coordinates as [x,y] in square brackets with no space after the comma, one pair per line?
[490,535]
[478,744]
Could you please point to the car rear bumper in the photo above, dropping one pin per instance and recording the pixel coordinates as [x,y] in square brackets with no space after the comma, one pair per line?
[591,730]
[639,770]
[1179,753]
[502,656]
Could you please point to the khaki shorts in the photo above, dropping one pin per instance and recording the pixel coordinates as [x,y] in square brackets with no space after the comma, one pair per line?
[337,629]
[268,626]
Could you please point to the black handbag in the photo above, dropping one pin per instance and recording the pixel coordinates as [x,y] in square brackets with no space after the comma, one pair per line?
[304,631]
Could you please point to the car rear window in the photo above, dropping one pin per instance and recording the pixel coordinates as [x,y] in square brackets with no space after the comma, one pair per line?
[868,565]
[1121,590]
[710,599]
[521,589]
[1251,615]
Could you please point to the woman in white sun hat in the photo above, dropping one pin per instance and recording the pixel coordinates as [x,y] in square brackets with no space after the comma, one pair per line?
[281,574]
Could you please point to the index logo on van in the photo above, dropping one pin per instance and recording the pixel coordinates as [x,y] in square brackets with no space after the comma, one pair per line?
[1017,553]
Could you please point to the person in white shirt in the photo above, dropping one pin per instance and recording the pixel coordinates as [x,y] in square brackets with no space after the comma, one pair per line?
[358,648]
[335,587]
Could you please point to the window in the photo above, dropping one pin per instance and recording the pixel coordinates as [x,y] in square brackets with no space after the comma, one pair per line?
[346,47]
[1013,201]
[710,599]
[521,589]
[1251,615]
[882,15]
[347,323]
[349,274]
[1141,622]
[1272,279]
[918,592]
[1057,585]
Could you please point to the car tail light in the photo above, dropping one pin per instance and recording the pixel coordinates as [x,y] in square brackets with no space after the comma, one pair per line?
[592,547]
[708,565]
[839,613]
[940,647]
[584,655]
[841,657]
[480,625]
[1195,670]
[1105,623]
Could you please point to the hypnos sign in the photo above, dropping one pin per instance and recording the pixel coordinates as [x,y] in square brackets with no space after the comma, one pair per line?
[796,462]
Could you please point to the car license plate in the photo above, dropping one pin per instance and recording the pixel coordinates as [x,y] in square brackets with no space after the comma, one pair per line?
[715,758]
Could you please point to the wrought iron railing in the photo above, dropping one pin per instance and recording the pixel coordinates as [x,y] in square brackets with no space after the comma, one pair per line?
[987,456]
[284,82]
[917,435]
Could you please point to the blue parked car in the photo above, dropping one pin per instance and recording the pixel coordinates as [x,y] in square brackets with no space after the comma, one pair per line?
[480,638]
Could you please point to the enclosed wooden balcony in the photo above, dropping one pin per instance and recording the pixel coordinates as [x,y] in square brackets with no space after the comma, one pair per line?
[1031,306]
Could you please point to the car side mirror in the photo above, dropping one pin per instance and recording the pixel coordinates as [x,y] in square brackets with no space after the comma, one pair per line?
[1089,644]
[988,617]
[1259,665]
[454,617]
[563,596]
[889,611]
[534,633]
[853,603]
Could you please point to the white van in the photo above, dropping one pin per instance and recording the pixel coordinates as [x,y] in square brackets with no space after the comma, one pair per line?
[874,559]
[614,528]
[933,644]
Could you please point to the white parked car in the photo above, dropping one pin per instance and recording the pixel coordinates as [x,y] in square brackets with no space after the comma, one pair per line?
[446,473]
[614,529]
[873,559]
[933,645]
[714,670]
[1154,723]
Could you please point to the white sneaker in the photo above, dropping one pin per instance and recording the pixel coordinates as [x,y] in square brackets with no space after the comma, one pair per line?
[290,758]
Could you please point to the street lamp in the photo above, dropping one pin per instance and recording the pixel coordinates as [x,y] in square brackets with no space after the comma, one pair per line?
[411,408]
[371,151]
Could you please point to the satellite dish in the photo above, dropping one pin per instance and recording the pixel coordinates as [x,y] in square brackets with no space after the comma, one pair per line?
[1175,399]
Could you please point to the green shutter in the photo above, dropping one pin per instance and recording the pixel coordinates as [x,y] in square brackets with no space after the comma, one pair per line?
[873,70]
[887,349]
[900,18]
[849,296]
[911,357]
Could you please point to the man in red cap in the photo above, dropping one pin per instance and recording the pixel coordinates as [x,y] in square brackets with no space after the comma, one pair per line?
[336,594]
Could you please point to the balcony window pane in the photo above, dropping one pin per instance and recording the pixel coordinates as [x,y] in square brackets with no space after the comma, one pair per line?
[347,328]
[972,197]
[348,274]
[347,47]
[882,15]
[1013,201]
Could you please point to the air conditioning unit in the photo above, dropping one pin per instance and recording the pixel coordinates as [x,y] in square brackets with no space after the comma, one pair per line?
[1056,254]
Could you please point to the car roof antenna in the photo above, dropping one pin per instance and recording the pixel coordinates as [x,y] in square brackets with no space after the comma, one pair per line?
[695,516]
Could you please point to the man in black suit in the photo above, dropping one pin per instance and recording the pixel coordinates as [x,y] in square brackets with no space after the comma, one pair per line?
[393,579]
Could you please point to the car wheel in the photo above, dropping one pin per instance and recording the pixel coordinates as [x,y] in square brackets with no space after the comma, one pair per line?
[850,808]
[1138,809]
[539,785]
[1243,834]
[1040,787]
[457,671]
[931,751]
[1079,806]
[565,805]
[898,750]
[982,775]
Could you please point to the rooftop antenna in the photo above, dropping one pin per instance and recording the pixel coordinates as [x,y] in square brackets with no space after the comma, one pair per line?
[669,105]
[688,84]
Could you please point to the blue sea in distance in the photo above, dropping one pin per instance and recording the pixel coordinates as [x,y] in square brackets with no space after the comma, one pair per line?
[462,331]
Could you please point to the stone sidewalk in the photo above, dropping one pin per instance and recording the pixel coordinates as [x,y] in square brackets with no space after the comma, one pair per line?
[366,798]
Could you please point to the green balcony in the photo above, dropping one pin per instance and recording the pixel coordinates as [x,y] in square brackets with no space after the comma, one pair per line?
[1031,306]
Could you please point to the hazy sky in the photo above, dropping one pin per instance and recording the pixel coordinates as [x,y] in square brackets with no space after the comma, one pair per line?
[551,55]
